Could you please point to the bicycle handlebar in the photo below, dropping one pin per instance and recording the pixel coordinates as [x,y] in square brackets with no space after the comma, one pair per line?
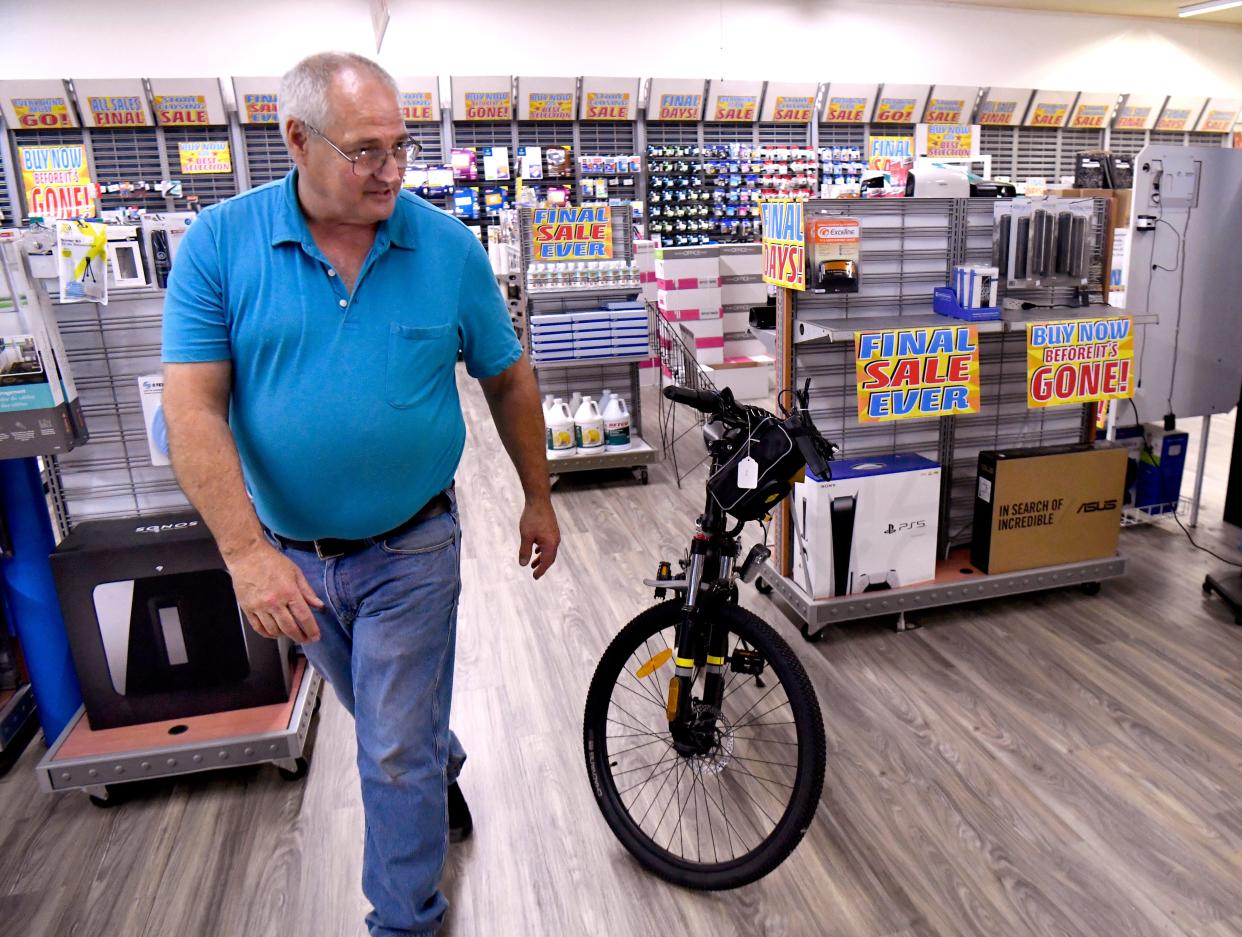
[705,401]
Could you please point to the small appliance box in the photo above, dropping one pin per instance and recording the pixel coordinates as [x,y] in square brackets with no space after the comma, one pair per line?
[679,305]
[154,626]
[687,268]
[705,339]
[871,526]
[741,260]
[1044,507]
[748,290]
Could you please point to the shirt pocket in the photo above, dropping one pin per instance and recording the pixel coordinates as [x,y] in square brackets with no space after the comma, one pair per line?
[417,356]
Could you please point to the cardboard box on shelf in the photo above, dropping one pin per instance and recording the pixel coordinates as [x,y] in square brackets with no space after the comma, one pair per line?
[690,304]
[741,260]
[738,291]
[749,378]
[704,339]
[687,267]
[1046,507]
[871,526]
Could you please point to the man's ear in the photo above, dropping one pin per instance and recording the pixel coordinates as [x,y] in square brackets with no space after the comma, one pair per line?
[297,137]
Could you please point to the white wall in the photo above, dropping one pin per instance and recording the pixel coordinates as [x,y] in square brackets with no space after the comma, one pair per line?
[818,40]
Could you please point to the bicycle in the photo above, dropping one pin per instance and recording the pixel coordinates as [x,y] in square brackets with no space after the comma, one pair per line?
[734,735]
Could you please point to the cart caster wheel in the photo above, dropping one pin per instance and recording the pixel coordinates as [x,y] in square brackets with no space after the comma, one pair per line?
[297,773]
[811,637]
[1091,588]
[108,801]
[762,587]
[644,476]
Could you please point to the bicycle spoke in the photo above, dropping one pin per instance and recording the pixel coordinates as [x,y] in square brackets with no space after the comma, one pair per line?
[748,773]
[760,761]
[664,774]
[738,725]
[739,722]
[626,751]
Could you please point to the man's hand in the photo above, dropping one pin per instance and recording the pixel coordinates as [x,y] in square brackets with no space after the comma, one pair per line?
[275,595]
[539,530]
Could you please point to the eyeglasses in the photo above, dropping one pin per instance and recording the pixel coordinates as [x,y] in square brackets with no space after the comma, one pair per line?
[368,160]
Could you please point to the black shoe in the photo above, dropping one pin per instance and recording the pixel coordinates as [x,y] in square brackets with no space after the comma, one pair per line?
[460,823]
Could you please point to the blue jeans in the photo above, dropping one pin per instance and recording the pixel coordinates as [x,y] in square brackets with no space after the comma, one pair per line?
[388,631]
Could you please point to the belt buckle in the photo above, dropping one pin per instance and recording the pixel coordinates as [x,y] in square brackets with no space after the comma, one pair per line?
[326,556]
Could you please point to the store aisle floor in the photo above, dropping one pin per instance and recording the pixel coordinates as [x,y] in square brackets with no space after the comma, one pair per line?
[1055,764]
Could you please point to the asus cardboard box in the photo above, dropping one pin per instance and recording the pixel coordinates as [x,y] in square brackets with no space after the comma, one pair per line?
[871,526]
[154,626]
[1045,507]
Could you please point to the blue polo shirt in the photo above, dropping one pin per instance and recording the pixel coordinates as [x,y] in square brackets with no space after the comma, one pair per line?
[344,408]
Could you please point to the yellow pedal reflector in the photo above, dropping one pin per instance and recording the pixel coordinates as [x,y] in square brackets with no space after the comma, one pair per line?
[647,669]
[674,693]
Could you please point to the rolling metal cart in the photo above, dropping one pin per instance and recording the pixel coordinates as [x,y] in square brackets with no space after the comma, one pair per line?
[95,761]
[590,377]
[908,247]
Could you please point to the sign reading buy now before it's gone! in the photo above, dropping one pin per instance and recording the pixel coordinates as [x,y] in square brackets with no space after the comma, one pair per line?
[1079,361]
[906,374]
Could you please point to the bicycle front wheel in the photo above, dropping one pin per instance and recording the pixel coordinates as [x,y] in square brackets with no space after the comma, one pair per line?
[732,809]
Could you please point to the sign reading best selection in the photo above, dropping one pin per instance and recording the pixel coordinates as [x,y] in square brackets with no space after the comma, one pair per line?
[57,181]
[1079,361]
[906,374]
[572,233]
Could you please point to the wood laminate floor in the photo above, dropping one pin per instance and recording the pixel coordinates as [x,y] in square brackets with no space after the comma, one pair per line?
[1048,765]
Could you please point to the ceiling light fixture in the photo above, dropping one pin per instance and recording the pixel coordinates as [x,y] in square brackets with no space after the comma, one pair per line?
[1211,6]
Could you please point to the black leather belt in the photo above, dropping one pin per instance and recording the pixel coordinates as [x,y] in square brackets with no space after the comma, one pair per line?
[330,548]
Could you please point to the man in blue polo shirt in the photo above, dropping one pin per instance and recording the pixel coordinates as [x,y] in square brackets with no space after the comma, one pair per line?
[311,332]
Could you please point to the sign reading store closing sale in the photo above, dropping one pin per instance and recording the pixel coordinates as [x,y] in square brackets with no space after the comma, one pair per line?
[906,374]
[572,233]
[1079,361]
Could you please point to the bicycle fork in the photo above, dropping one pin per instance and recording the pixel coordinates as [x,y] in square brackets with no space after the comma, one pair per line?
[696,649]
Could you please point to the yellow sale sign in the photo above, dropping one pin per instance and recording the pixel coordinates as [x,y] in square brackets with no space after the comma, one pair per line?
[1079,361]
[784,243]
[906,374]
[205,157]
[57,181]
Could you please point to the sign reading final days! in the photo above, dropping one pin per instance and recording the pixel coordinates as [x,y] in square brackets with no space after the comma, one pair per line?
[675,99]
[572,233]
[1180,113]
[907,374]
[784,243]
[1079,361]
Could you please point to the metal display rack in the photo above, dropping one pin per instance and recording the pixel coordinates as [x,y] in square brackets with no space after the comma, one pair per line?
[908,247]
[589,378]
[94,761]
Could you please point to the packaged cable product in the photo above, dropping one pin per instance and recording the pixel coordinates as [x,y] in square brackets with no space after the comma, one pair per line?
[1043,242]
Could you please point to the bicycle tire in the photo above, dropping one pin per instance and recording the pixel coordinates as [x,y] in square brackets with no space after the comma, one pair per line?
[809,727]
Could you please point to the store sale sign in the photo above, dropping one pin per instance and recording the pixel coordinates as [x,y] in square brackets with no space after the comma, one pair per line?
[895,111]
[1217,121]
[784,243]
[181,110]
[1079,361]
[950,141]
[37,113]
[793,109]
[551,106]
[1047,114]
[261,109]
[998,113]
[1090,116]
[206,157]
[121,111]
[845,110]
[680,106]
[736,107]
[887,152]
[57,181]
[946,111]
[602,105]
[417,106]
[489,105]
[570,233]
[908,374]
[1132,118]
[1174,119]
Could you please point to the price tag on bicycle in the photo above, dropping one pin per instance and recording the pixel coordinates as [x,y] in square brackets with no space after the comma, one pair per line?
[748,473]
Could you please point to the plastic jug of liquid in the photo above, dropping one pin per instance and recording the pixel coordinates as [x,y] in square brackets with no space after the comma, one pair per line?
[605,398]
[561,434]
[548,402]
[589,426]
[616,425]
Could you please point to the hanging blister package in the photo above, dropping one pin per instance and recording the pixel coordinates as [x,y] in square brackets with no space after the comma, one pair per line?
[1044,242]
[82,260]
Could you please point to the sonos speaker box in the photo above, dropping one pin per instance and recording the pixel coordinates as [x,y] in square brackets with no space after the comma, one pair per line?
[154,625]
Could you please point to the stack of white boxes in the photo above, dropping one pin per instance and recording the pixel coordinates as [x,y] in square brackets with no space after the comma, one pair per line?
[582,336]
[746,368]
[688,293]
[644,260]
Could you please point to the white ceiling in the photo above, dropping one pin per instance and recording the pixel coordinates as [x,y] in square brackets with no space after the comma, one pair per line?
[1165,9]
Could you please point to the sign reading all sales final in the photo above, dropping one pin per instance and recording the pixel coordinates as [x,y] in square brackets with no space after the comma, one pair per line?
[122,111]
[583,233]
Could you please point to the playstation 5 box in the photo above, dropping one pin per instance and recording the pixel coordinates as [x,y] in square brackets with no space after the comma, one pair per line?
[154,626]
[871,526]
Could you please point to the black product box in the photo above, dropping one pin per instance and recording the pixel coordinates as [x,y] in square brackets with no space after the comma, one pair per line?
[1092,170]
[154,625]
[1121,170]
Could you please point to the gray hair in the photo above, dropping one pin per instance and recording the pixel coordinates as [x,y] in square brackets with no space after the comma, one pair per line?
[304,88]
